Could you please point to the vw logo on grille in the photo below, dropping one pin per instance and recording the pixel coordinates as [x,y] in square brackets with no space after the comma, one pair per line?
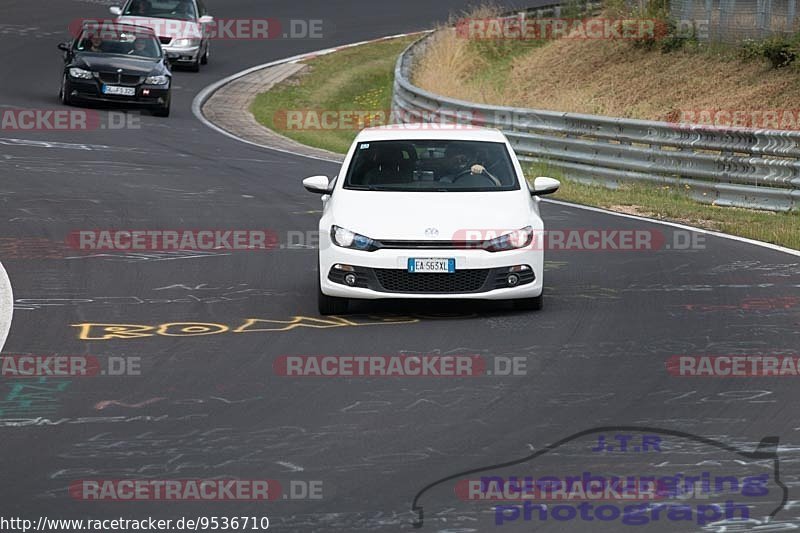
[431,232]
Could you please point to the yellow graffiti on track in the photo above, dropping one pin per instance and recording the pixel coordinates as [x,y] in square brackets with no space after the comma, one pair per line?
[91,331]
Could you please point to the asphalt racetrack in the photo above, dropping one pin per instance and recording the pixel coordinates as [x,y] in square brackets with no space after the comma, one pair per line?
[210,405]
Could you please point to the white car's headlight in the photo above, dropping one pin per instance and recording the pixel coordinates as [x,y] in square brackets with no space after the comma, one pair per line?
[511,241]
[79,73]
[348,239]
[186,42]
[156,80]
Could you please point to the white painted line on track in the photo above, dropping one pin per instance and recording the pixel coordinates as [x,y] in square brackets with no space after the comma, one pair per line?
[754,242]
[6,305]
[206,93]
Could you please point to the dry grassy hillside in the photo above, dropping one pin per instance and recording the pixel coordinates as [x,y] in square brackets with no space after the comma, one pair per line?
[605,77]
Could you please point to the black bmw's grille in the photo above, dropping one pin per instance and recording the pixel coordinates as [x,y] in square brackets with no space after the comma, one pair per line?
[112,78]
[460,281]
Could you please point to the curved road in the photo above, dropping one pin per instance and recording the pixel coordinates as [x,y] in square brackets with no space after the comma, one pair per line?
[211,406]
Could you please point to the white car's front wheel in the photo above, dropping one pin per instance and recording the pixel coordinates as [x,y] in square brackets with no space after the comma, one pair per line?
[330,305]
[530,304]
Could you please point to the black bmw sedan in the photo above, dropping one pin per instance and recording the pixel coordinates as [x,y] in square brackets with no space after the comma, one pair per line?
[116,64]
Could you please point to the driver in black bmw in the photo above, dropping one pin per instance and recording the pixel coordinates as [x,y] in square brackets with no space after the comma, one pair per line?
[119,64]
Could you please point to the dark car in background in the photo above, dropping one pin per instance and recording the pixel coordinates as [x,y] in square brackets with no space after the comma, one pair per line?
[116,64]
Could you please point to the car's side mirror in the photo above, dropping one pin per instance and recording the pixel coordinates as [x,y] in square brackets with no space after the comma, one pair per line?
[206,19]
[115,10]
[317,184]
[64,46]
[543,185]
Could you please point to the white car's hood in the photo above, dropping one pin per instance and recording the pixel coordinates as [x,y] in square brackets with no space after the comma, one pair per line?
[411,215]
[176,29]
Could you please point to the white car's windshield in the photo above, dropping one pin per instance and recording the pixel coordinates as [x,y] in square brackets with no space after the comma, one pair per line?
[431,165]
[164,9]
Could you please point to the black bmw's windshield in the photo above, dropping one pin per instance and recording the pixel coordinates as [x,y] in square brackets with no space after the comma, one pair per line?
[431,165]
[118,41]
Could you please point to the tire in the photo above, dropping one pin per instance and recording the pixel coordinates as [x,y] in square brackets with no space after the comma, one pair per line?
[63,93]
[204,59]
[330,305]
[163,110]
[530,304]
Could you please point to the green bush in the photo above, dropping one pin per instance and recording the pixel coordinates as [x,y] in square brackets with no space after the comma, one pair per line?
[779,51]
[667,38]
[573,9]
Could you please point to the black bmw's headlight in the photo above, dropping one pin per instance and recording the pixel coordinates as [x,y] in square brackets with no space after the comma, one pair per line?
[80,74]
[156,80]
[349,239]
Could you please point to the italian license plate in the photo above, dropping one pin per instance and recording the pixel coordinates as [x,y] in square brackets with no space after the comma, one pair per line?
[432,264]
[121,91]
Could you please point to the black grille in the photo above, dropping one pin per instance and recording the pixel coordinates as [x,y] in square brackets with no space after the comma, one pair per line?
[165,40]
[432,245]
[461,281]
[112,78]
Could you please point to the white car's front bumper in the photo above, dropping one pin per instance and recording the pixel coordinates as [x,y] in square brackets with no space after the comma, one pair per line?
[182,54]
[369,284]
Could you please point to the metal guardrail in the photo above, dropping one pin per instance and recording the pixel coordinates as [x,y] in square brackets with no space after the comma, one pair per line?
[730,167]
[579,9]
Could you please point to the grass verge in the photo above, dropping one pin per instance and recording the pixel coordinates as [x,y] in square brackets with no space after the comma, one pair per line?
[671,204]
[354,79]
[361,78]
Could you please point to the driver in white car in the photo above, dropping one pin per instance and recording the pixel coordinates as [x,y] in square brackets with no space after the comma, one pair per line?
[465,162]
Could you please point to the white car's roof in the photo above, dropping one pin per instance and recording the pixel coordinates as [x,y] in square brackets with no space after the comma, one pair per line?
[401,132]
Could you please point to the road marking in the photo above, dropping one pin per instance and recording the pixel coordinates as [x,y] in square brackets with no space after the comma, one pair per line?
[107,403]
[6,305]
[291,466]
[100,331]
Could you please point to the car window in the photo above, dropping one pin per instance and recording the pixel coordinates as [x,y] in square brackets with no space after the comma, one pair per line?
[167,9]
[119,42]
[432,165]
